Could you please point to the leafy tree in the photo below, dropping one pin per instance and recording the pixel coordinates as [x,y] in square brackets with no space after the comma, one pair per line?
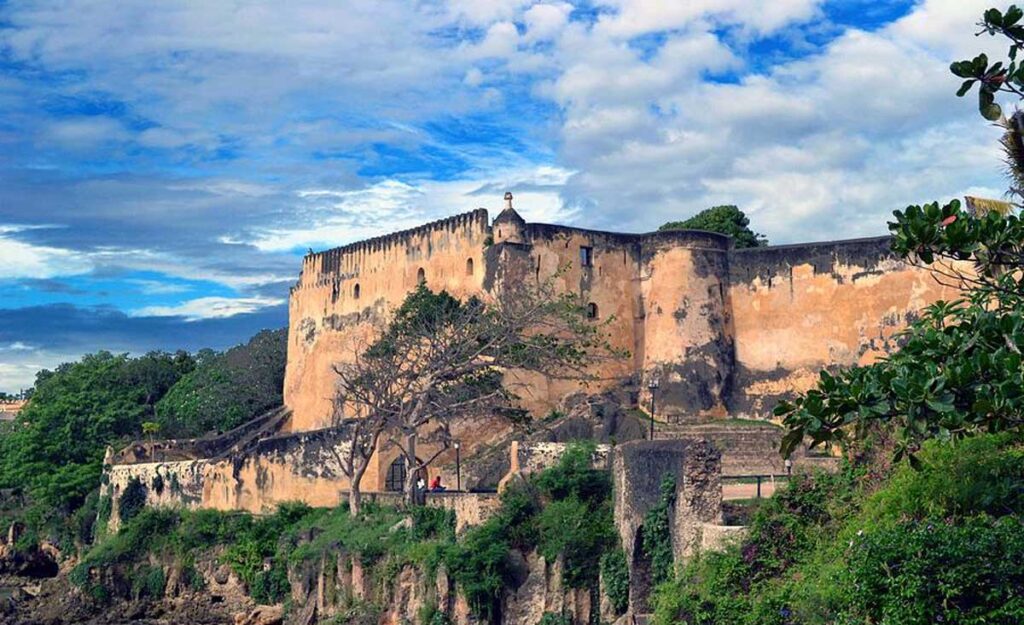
[440,359]
[225,390]
[960,369]
[727,219]
[55,449]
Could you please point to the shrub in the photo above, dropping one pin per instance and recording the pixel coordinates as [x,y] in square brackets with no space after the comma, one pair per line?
[148,581]
[615,576]
[555,618]
[657,536]
[132,501]
[937,571]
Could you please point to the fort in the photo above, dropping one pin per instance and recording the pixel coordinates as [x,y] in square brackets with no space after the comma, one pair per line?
[9,409]
[725,332]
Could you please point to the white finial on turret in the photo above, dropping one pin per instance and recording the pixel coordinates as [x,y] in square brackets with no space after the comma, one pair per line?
[508,199]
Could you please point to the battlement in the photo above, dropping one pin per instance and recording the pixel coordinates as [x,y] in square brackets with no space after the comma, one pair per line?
[341,260]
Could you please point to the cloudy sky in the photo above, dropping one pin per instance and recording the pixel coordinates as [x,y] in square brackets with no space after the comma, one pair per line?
[164,165]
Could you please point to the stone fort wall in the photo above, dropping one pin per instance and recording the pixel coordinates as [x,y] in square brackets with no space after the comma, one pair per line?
[726,332]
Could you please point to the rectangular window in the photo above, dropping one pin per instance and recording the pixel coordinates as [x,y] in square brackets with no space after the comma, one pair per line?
[586,256]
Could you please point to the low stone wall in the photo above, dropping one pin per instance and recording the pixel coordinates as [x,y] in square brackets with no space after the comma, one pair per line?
[746,449]
[470,508]
[193,484]
[715,537]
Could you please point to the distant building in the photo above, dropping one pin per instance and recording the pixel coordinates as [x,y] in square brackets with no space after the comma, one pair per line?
[9,409]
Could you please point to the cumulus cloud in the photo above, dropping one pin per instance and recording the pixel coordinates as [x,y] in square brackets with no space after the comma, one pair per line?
[215,142]
[210,308]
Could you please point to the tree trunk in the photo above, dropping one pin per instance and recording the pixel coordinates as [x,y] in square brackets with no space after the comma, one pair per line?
[355,493]
[355,498]
[413,496]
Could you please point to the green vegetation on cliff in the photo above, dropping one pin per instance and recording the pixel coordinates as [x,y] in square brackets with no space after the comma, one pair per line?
[54,451]
[942,544]
[52,454]
[562,513]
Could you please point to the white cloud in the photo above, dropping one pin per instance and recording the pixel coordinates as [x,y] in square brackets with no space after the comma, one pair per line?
[209,308]
[86,132]
[16,346]
[25,260]
[338,216]
[545,21]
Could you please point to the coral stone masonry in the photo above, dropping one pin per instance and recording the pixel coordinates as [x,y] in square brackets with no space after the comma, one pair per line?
[725,333]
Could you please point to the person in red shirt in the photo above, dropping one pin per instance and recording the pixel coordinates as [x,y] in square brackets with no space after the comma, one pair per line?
[435,484]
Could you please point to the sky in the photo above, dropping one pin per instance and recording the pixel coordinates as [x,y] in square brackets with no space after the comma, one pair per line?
[165,165]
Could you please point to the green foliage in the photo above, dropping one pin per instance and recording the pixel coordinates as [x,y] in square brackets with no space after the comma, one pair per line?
[924,547]
[225,390]
[968,571]
[615,576]
[555,618]
[132,500]
[479,563]
[56,451]
[148,581]
[999,76]
[432,523]
[657,532]
[565,511]
[959,370]
[726,219]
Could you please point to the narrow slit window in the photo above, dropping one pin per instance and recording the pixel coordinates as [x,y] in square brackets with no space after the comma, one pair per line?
[586,256]
[421,276]
[355,291]
[469,266]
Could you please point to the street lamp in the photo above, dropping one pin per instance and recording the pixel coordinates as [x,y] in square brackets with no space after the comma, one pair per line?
[652,386]
[458,468]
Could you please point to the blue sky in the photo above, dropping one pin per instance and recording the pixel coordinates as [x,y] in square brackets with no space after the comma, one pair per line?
[164,166]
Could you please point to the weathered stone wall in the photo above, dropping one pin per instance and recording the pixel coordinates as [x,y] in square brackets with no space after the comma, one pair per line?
[638,469]
[748,449]
[535,457]
[303,467]
[799,308]
[343,292]
[726,332]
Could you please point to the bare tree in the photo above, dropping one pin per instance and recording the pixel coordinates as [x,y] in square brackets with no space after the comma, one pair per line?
[366,390]
[441,359]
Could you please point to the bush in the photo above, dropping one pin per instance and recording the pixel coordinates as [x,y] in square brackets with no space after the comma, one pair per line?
[132,501]
[937,571]
[615,575]
[657,536]
[149,581]
[922,547]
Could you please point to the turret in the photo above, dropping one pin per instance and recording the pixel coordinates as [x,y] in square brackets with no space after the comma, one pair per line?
[508,225]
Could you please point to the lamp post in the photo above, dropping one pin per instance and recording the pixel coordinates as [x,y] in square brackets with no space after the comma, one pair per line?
[652,386]
[458,468]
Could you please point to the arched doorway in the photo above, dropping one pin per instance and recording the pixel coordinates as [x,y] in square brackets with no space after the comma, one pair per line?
[397,472]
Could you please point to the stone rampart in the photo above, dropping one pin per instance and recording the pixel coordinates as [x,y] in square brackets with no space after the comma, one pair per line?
[725,332]
[799,308]
[638,470]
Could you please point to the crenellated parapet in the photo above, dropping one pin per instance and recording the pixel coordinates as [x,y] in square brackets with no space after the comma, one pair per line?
[321,268]
[716,331]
